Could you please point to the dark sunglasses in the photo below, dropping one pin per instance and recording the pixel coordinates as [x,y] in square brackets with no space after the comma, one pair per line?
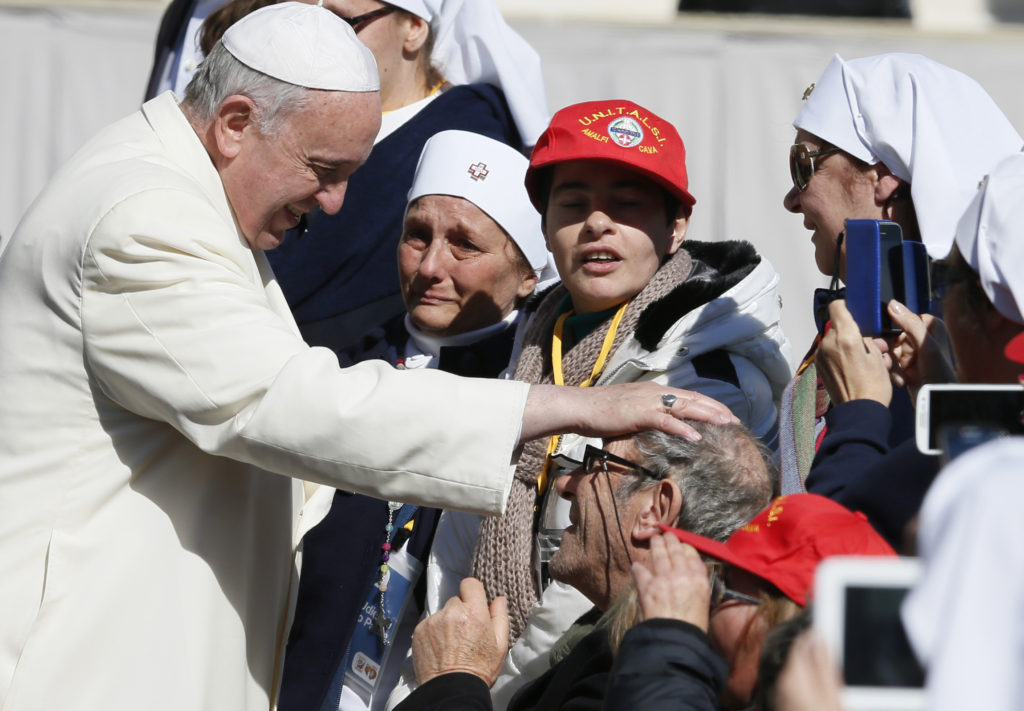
[802,163]
[943,275]
[358,20]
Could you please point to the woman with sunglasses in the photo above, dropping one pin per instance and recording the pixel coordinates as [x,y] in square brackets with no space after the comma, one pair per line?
[443,64]
[894,137]
[982,307]
[692,612]
[636,302]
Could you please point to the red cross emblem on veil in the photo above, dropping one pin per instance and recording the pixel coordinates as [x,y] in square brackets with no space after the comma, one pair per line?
[478,171]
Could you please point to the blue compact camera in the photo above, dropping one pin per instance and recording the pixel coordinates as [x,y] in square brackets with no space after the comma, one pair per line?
[880,267]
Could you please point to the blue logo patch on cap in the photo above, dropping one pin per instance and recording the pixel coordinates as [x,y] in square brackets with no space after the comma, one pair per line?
[626,132]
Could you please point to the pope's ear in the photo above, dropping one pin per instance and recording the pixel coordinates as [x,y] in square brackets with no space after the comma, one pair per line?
[662,509]
[233,122]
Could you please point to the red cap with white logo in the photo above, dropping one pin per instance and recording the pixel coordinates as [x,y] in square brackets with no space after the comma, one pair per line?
[613,131]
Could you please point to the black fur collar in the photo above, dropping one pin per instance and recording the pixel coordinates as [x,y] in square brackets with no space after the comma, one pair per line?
[717,267]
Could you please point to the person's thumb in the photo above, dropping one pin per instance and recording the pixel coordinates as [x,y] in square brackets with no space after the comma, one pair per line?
[499,621]
[907,320]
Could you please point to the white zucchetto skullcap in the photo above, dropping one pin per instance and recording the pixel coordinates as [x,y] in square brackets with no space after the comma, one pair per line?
[490,175]
[305,45]
[932,126]
[990,236]
[473,44]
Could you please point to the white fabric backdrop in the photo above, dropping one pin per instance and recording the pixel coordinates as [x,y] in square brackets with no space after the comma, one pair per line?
[732,86]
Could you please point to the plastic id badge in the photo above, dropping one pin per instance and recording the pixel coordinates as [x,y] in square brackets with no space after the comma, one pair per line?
[365,658]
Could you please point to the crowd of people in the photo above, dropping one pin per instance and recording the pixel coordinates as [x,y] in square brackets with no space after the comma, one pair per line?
[343,376]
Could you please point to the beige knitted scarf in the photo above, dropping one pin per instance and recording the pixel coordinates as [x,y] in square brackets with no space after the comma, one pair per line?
[503,559]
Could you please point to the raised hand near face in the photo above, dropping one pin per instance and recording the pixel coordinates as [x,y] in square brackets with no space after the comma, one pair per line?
[676,585]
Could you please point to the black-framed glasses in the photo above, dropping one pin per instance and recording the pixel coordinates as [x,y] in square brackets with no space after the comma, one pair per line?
[720,593]
[943,274]
[366,17]
[595,459]
[803,162]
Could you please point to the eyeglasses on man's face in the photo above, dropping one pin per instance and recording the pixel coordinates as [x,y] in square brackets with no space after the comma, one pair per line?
[596,460]
[720,593]
[803,162]
[358,22]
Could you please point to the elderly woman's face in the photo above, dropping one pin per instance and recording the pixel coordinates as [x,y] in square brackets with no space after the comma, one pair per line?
[458,269]
[840,189]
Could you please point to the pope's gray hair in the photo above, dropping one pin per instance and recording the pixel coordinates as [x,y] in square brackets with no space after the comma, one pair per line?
[221,75]
[726,478]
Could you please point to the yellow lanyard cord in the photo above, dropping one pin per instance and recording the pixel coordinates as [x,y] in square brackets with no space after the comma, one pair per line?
[556,374]
[433,90]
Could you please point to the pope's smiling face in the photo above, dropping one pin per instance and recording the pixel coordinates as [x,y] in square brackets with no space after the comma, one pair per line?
[272,179]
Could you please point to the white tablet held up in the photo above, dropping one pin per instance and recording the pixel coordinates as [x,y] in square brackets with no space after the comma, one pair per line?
[857,611]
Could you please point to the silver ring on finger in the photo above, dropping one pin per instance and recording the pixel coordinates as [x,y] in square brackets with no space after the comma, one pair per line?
[668,400]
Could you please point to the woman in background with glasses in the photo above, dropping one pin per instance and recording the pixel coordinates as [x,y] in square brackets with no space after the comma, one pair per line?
[894,137]
[443,64]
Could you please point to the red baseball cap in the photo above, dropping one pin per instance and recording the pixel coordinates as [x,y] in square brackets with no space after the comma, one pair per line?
[784,543]
[1015,349]
[613,131]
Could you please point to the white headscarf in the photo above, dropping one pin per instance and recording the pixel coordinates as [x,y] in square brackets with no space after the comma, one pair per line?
[990,236]
[965,616]
[490,175]
[932,126]
[474,44]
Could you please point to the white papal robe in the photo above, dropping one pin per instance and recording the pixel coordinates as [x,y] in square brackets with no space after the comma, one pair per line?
[155,401]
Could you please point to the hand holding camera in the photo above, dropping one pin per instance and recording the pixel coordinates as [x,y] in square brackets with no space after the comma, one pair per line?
[851,366]
[922,353]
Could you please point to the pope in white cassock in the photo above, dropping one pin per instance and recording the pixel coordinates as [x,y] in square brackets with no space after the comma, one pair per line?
[154,389]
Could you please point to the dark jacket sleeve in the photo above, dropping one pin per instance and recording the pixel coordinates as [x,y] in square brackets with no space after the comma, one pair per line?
[457,691]
[666,665]
[868,462]
[891,491]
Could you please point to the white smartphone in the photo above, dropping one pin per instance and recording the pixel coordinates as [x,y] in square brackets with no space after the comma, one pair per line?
[965,415]
[856,610]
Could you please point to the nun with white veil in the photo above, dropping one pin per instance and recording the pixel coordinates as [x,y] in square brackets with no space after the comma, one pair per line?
[895,137]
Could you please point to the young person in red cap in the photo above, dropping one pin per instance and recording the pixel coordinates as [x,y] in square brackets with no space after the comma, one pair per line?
[636,302]
[762,577]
